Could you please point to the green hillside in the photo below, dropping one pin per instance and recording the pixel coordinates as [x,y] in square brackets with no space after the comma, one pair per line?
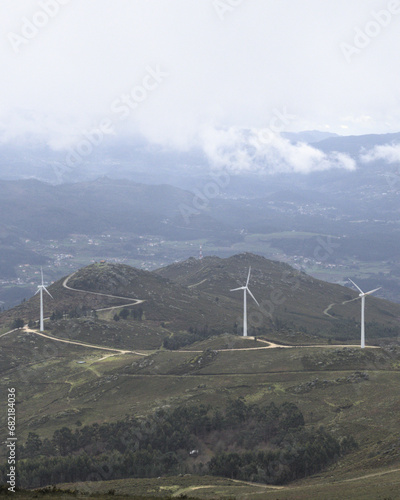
[123,345]
[194,296]
[192,300]
[289,299]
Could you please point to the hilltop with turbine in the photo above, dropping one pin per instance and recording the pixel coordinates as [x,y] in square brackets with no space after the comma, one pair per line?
[121,343]
[196,294]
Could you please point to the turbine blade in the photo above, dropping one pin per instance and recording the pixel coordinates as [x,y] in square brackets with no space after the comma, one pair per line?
[37,291]
[235,289]
[255,300]
[41,270]
[45,289]
[248,277]
[372,291]
[358,288]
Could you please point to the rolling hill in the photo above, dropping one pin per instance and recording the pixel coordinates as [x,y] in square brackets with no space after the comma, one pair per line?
[283,217]
[96,207]
[95,365]
[195,294]
[287,296]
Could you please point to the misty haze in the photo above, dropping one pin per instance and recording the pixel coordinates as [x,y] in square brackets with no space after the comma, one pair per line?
[199,249]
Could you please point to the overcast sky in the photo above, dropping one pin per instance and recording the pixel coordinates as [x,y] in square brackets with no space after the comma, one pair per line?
[175,69]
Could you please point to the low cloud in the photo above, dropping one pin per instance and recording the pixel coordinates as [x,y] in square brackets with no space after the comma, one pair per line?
[387,152]
[262,151]
[42,129]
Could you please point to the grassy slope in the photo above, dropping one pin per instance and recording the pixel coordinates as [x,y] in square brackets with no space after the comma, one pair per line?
[196,293]
[58,391]
[55,390]
[282,291]
[372,486]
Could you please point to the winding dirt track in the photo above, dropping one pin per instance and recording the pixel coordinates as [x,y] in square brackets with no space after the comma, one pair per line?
[326,311]
[270,345]
[137,301]
[4,334]
[265,488]
[91,346]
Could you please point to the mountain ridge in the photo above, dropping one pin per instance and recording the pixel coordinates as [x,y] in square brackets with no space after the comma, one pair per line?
[196,294]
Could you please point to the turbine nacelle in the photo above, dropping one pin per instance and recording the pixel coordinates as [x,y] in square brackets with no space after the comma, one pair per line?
[42,287]
[246,287]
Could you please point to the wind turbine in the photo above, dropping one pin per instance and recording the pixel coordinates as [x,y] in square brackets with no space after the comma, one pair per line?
[40,290]
[363,295]
[245,289]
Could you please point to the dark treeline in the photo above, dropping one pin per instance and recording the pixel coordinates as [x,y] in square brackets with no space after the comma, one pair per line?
[85,312]
[268,444]
[344,330]
[194,334]
[300,454]
[75,312]
[125,313]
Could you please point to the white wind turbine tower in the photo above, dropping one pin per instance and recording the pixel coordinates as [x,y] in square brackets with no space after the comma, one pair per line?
[245,289]
[40,290]
[362,295]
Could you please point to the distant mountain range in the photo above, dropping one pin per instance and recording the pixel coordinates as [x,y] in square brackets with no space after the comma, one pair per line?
[137,160]
[173,197]
[308,136]
[33,209]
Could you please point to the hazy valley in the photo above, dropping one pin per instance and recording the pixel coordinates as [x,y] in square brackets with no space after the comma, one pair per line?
[143,337]
[331,224]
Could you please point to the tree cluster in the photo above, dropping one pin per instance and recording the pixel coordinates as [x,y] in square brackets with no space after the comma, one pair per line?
[268,444]
[192,335]
[125,313]
[76,312]
[298,454]
[18,323]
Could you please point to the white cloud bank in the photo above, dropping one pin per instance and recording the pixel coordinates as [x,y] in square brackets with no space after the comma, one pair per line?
[262,151]
[387,152]
[264,55]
